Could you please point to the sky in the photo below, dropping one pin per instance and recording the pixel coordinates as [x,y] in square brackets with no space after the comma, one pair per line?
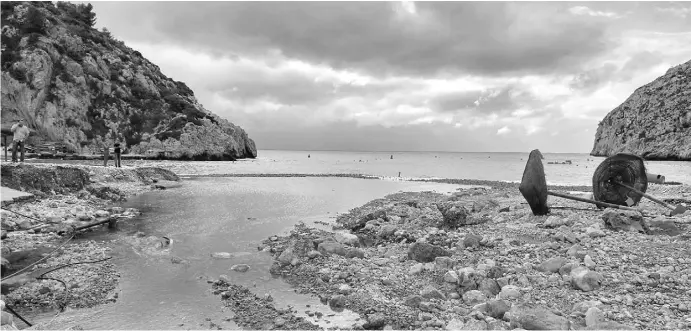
[409,76]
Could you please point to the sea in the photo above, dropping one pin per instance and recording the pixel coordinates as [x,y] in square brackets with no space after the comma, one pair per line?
[506,167]
[418,165]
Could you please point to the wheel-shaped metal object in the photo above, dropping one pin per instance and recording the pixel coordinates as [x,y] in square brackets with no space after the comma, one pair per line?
[623,168]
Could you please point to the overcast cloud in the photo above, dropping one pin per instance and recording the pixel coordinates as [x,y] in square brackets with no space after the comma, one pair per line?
[445,76]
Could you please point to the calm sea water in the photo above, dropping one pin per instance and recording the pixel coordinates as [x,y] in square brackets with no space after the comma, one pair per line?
[486,166]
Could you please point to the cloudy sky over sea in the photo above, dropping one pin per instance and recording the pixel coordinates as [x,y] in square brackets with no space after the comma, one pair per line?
[445,76]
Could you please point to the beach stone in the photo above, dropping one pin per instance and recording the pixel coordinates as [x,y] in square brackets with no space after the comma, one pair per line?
[566,268]
[416,269]
[429,292]
[387,230]
[474,297]
[472,240]
[533,317]
[313,254]
[582,307]
[451,277]
[240,267]
[286,257]
[426,252]
[475,324]
[510,292]
[454,214]
[552,265]
[344,289]
[331,247]
[101,213]
[623,220]
[555,222]
[279,322]
[443,263]
[593,316]
[337,301]
[375,321]
[413,300]
[221,255]
[354,252]
[7,319]
[594,232]
[347,238]
[662,226]
[23,224]
[497,308]
[455,324]
[585,280]
[490,287]
[588,261]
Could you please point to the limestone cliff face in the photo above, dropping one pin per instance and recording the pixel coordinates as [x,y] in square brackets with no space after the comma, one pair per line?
[654,122]
[78,85]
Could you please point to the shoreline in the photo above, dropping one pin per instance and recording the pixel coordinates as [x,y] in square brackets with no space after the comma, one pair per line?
[383,242]
[38,233]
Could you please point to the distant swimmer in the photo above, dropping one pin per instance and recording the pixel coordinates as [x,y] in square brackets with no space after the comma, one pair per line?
[392,157]
[308,156]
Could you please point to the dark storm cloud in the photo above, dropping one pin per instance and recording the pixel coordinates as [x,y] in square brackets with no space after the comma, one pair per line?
[379,37]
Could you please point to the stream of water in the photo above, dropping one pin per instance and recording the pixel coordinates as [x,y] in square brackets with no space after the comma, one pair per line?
[232,215]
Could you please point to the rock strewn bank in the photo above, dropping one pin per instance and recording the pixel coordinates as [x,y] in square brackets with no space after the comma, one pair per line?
[480,260]
[64,197]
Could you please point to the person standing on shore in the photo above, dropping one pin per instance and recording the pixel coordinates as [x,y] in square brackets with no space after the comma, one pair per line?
[118,152]
[21,132]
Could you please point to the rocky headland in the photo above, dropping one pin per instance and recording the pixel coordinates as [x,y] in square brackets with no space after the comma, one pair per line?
[79,86]
[654,122]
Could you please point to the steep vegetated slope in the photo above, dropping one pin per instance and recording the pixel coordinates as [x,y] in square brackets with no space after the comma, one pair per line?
[654,122]
[75,84]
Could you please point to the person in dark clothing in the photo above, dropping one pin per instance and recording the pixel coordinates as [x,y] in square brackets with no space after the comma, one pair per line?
[118,152]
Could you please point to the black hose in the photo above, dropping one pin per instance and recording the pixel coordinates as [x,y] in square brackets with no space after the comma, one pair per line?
[15,314]
[70,264]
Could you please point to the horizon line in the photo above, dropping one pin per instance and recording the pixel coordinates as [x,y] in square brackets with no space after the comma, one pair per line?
[365,151]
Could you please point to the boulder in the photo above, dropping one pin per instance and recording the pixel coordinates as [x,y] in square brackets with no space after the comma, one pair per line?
[426,252]
[497,308]
[240,267]
[623,220]
[443,263]
[474,297]
[451,277]
[471,240]
[490,287]
[585,280]
[413,300]
[429,292]
[474,324]
[375,321]
[331,247]
[337,301]
[347,238]
[286,257]
[454,214]
[455,324]
[533,317]
[593,316]
[510,292]
[582,307]
[662,226]
[387,230]
[551,265]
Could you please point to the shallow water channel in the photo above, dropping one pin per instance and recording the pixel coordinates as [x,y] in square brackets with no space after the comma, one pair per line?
[233,215]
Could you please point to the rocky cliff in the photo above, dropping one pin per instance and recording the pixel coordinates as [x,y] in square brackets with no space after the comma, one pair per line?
[76,84]
[654,122]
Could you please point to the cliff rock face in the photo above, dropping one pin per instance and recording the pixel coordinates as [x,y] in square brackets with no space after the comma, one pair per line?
[654,122]
[78,85]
